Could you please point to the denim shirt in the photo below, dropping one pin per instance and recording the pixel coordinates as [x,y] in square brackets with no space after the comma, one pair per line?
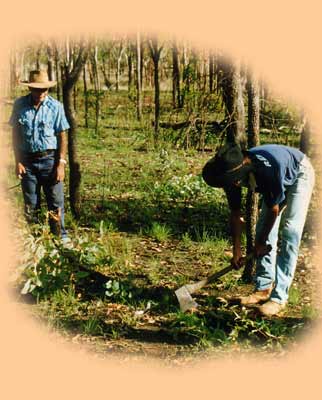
[38,128]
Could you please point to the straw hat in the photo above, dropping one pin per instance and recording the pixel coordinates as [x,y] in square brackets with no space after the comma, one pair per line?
[38,79]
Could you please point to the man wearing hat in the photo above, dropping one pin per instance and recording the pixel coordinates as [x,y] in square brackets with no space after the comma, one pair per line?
[284,177]
[40,146]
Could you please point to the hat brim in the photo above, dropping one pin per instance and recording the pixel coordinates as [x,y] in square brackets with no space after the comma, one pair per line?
[226,179]
[37,85]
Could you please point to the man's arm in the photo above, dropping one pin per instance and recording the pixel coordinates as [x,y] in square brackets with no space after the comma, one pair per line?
[62,152]
[236,222]
[236,228]
[20,168]
[270,218]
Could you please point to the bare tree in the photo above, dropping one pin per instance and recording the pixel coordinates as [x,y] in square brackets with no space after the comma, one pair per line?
[252,197]
[306,135]
[86,105]
[138,78]
[155,52]
[97,85]
[234,103]
[211,71]
[120,49]
[14,70]
[72,71]
[50,62]
[176,94]
[57,68]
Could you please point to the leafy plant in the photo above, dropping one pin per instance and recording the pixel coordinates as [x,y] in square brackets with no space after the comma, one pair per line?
[118,291]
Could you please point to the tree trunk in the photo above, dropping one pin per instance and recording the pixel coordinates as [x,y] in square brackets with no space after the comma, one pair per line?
[138,78]
[234,103]
[50,63]
[252,197]
[155,54]
[96,88]
[71,76]
[130,68]
[85,96]
[57,68]
[38,55]
[14,74]
[211,72]
[305,141]
[118,66]
[175,77]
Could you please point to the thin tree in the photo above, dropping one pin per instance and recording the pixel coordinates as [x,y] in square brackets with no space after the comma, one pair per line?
[252,197]
[72,72]
[176,94]
[129,56]
[86,105]
[138,78]
[97,85]
[57,68]
[155,52]
[306,134]
[50,62]
[120,48]
[211,71]
[234,103]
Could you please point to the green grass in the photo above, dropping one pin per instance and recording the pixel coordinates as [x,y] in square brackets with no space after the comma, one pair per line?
[149,224]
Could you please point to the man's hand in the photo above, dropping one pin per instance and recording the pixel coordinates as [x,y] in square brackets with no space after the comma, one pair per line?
[20,170]
[261,249]
[60,172]
[237,260]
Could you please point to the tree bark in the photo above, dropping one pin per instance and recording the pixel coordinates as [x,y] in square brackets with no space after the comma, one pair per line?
[234,103]
[305,141]
[85,96]
[211,72]
[138,78]
[57,68]
[71,75]
[175,76]
[118,65]
[130,67]
[155,51]
[252,197]
[50,62]
[96,88]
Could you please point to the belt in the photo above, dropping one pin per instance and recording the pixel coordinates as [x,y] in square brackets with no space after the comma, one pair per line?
[39,154]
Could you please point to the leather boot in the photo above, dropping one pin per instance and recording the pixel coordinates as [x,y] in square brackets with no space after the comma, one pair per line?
[271,308]
[259,296]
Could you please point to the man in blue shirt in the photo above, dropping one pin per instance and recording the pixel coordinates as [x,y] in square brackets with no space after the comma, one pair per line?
[284,176]
[40,145]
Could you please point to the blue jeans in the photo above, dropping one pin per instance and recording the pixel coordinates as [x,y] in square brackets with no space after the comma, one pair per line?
[41,173]
[279,266]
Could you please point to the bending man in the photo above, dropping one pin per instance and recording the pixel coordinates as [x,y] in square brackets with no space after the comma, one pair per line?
[285,177]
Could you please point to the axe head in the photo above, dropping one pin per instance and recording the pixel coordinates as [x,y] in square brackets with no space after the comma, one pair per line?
[185,300]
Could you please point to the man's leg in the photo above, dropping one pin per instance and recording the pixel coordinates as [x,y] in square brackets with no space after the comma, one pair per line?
[265,266]
[298,199]
[31,193]
[54,193]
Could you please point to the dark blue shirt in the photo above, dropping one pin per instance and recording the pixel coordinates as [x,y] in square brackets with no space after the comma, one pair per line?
[275,169]
[38,128]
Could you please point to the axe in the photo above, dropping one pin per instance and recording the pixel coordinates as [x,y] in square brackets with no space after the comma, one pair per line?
[184,293]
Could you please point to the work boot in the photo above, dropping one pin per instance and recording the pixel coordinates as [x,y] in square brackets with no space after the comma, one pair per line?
[259,296]
[271,308]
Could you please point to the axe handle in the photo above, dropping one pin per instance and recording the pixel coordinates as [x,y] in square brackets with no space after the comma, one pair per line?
[225,270]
